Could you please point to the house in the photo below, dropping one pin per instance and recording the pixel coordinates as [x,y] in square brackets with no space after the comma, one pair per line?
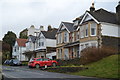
[95,28]
[30,47]
[31,31]
[46,43]
[67,40]
[18,49]
[100,28]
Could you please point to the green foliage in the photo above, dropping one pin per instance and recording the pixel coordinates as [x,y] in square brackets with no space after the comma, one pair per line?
[104,68]
[10,38]
[23,36]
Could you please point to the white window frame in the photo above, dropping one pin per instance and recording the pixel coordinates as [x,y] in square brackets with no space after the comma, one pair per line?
[95,28]
[82,31]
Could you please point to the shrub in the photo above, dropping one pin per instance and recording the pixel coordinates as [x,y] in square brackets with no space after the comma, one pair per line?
[92,54]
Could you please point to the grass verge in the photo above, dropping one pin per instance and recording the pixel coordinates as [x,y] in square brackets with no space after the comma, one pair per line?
[105,68]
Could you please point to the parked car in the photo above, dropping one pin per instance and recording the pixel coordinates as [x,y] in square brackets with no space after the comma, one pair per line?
[13,62]
[41,62]
[6,62]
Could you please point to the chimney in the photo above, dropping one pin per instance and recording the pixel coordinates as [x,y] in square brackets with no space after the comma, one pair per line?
[118,13]
[41,28]
[92,8]
[49,28]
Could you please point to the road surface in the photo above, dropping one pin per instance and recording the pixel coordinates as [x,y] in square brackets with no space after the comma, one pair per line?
[25,73]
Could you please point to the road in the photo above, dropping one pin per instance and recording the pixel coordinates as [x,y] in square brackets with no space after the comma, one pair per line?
[23,73]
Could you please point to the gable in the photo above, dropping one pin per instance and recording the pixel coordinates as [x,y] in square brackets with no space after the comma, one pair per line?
[88,17]
[41,35]
[62,27]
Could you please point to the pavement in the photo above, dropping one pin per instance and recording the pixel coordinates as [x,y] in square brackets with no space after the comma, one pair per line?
[25,73]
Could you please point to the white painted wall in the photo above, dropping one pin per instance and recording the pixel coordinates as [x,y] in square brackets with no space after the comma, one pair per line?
[110,29]
[32,30]
[51,42]
[19,52]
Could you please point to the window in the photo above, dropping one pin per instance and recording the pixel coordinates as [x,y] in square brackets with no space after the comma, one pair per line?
[86,30]
[86,45]
[65,37]
[15,49]
[77,35]
[42,43]
[60,53]
[82,31]
[59,38]
[39,60]
[93,29]
[93,44]
[82,47]
[72,37]
[45,59]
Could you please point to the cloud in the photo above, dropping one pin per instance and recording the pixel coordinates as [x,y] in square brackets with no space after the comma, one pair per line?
[19,14]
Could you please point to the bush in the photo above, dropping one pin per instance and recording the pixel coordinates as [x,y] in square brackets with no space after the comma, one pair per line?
[93,54]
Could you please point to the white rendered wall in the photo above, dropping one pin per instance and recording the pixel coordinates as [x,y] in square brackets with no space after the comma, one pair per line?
[51,42]
[110,30]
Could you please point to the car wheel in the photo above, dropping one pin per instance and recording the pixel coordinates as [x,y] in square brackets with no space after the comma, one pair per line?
[37,66]
[54,64]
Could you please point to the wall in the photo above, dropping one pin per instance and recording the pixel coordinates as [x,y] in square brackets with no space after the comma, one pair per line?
[110,29]
[51,42]
[89,44]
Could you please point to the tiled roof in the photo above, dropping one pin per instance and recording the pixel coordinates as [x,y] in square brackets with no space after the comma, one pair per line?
[103,15]
[69,26]
[21,42]
[50,34]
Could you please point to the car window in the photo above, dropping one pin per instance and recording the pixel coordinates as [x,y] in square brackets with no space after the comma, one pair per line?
[15,60]
[45,59]
[39,59]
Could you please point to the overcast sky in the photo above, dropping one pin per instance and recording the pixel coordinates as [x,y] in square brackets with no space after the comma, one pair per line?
[16,15]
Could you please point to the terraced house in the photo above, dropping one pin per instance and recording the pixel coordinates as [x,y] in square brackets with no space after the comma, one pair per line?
[95,28]
[67,41]
[46,43]
[100,28]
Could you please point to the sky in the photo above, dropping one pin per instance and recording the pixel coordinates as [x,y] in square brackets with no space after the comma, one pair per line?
[16,15]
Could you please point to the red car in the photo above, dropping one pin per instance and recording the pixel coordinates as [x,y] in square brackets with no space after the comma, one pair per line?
[40,62]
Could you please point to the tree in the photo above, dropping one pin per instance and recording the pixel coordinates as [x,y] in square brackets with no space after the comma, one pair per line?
[10,39]
[23,34]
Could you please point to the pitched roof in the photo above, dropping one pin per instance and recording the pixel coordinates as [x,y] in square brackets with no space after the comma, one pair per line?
[33,38]
[50,34]
[103,15]
[69,26]
[21,42]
